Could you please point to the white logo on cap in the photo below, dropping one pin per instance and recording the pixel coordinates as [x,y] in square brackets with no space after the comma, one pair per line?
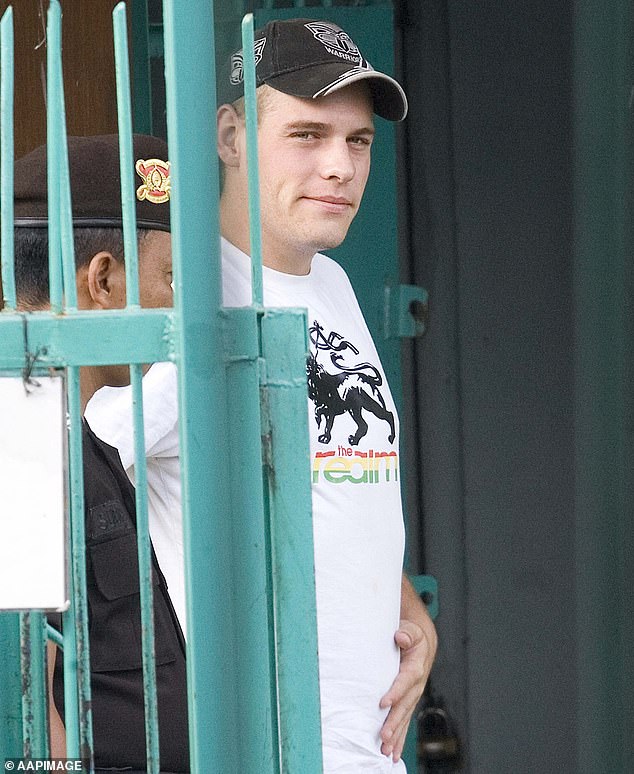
[237,65]
[336,41]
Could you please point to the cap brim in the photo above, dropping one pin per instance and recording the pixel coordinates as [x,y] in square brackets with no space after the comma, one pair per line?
[389,98]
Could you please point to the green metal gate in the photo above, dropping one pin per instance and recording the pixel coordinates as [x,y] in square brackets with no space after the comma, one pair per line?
[242,656]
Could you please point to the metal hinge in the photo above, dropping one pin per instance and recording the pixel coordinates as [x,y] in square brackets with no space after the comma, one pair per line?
[406,311]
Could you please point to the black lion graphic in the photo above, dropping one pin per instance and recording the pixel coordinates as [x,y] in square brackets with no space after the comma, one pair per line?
[351,389]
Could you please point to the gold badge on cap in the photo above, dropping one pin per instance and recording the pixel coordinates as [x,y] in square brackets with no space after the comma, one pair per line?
[156,186]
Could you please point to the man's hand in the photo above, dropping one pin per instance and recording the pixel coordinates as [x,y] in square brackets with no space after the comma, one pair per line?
[417,640]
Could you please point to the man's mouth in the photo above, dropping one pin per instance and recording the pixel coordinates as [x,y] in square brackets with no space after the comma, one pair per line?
[334,204]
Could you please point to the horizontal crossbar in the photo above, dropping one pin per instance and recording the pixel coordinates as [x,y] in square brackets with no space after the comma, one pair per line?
[86,338]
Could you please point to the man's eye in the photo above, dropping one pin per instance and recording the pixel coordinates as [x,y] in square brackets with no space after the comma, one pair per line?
[304,135]
[359,141]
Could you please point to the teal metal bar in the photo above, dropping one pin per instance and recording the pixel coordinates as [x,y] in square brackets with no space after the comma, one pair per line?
[145,575]
[86,338]
[126,156]
[77,695]
[6,157]
[65,207]
[189,68]
[61,188]
[285,348]
[71,699]
[124,113]
[79,607]
[34,704]
[251,118]
[255,648]
[11,681]
[53,139]
[54,636]
[141,77]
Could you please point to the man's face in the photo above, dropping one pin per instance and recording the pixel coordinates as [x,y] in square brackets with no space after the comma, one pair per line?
[155,270]
[155,289]
[314,165]
[155,273]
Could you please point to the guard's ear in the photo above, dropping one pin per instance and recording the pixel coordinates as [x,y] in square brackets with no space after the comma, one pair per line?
[101,282]
[229,127]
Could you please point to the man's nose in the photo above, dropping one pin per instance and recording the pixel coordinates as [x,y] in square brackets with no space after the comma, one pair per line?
[338,162]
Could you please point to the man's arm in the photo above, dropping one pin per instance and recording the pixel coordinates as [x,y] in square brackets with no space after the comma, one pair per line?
[57,730]
[417,640]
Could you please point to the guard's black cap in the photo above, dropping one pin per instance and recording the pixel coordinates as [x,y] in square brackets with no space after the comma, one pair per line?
[95,184]
[309,59]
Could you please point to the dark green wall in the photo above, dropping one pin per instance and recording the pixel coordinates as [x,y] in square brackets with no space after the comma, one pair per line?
[519,188]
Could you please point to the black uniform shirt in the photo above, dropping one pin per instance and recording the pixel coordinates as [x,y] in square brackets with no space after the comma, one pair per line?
[115,627]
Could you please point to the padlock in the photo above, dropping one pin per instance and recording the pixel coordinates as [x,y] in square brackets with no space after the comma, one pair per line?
[437,737]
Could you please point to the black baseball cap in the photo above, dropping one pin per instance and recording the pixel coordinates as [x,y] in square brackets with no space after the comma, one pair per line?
[95,184]
[310,59]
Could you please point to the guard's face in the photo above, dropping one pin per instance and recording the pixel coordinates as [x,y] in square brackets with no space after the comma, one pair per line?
[314,164]
[155,270]
[155,274]
[155,289]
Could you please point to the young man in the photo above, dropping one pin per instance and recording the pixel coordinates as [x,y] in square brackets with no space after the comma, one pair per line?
[316,97]
[111,544]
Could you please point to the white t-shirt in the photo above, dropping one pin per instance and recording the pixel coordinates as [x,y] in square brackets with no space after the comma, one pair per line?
[357,511]
[109,414]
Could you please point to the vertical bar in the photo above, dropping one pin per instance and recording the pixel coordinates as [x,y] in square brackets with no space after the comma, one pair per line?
[65,207]
[34,700]
[603,392]
[32,727]
[285,348]
[53,140]
[257,693]
[77,694]
[189,71]
[10,679]
[65,211]
[145,575]
[126,158]
[6,157]
[60,217]
[251,118]
[141,75]
[71,698]
[76,648]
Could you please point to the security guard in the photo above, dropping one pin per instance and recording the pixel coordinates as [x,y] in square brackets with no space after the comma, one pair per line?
[110,515]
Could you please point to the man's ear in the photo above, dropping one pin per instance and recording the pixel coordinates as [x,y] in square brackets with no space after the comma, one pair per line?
[229,125]
[103,282]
